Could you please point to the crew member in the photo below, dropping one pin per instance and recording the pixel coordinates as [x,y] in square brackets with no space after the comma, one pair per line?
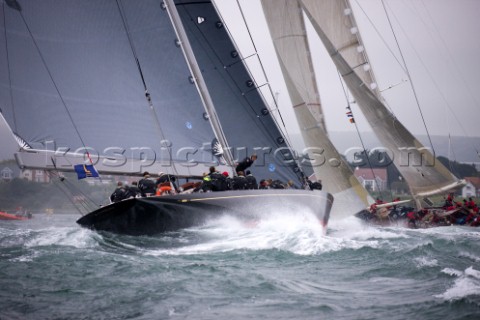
[132,190]
[251,180]
[246,163]
[146,185]
[239,182]
[119,194]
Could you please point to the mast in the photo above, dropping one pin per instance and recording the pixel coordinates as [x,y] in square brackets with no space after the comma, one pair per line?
[199,81]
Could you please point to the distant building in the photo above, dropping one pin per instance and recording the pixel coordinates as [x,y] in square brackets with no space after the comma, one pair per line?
[9,171]
[39,176]
[472,188]
[6,174]
[372,179]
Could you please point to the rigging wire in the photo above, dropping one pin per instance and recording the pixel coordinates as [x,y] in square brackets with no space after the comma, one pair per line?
[453,62]
[8,67]
[378,91]
[264,73]
[440,92]
[147,93]
[82,206]
[51,78]
[345,92]
[261,64]
[70,190]
[404,68]
[450,149]
[286,134]
[55,85]
[408,75]
[380,36]
[450,56]
[44,62]
[410,79]
[244,58]
[238,89]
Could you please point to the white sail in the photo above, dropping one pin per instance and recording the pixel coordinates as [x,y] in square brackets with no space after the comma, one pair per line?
[287,29]
[334,23]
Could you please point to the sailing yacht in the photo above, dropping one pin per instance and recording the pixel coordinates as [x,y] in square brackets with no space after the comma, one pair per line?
[129,86]
[334,23]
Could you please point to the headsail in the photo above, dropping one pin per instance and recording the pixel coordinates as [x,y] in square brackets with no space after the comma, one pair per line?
[334,23]
[286,25]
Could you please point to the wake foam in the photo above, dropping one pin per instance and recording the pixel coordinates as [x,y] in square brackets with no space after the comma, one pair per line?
[63,236]
[467,283]
[299,233]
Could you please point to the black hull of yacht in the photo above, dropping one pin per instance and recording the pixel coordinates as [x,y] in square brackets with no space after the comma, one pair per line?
[154,215]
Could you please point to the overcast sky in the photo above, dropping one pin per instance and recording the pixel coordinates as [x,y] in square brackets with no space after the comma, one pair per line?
[439,41]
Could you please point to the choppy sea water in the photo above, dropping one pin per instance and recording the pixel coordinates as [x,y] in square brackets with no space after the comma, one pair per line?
[281,268]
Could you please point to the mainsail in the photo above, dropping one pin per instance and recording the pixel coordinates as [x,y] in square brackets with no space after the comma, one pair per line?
[110,77]
[287,29]
[334,23]
[72,78]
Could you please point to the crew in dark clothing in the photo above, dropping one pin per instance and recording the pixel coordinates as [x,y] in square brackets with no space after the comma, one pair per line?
[218,180]
[277,184]
[133,191]
[146,185]
[246,163]
[228,180]
[119,194]
[317,185]
[264,184]
[214,181]
[251,180]
[239,182]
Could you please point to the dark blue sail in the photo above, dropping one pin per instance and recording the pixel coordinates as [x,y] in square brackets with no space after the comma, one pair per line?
[248,125]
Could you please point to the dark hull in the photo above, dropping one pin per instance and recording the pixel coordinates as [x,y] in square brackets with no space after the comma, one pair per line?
[154,215]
